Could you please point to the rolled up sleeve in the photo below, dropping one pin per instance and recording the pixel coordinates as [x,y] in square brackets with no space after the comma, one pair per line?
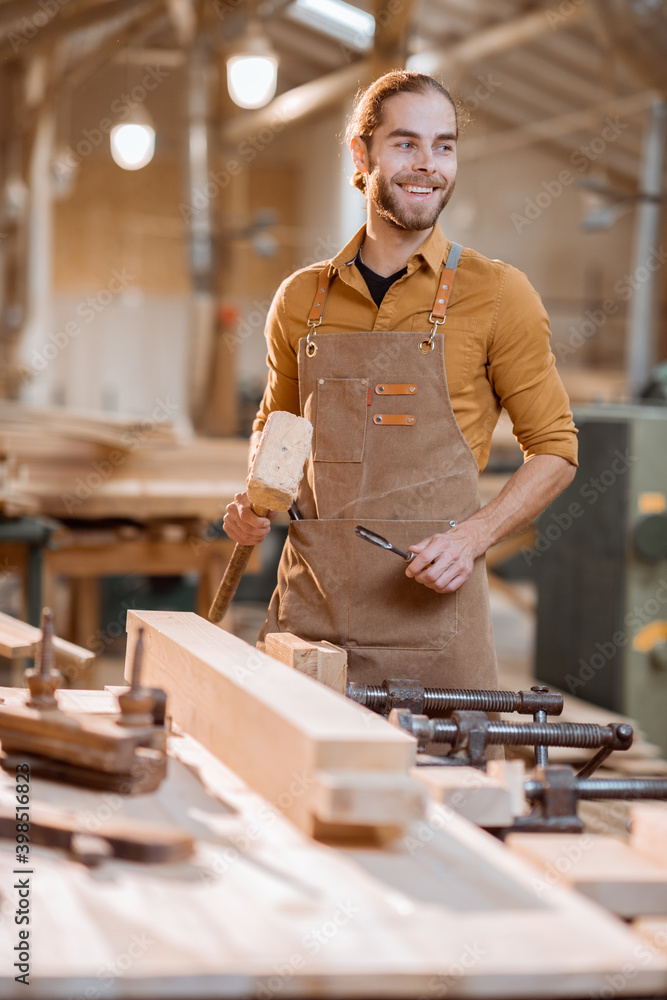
[522,371]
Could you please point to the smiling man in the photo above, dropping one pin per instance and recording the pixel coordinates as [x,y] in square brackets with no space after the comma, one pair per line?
[403,405]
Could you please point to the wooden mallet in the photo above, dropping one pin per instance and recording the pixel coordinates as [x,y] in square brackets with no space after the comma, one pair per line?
[273,483]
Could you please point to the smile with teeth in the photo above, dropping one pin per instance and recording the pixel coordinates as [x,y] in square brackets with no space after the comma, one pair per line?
[414,189]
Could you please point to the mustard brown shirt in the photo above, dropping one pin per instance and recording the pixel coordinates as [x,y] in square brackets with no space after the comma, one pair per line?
[496,334]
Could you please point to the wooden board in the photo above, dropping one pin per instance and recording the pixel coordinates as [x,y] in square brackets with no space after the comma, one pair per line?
[602,868]
[469,792]
[262,911]
[275,727]
[19,639]
[322,660]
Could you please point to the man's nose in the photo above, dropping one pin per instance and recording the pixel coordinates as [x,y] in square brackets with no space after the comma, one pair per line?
[424,161]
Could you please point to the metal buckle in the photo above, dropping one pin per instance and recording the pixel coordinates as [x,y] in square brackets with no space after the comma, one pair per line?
[311,346]
[427,345]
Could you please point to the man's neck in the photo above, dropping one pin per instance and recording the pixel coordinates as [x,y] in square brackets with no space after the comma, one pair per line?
[386,249]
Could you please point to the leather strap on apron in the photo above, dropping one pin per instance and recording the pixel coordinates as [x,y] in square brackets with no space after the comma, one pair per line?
[438,311]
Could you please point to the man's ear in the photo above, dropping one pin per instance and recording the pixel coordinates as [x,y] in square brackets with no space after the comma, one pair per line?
[359,153]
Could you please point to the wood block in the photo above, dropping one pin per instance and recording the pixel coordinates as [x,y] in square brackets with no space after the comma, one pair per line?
[602,868]
[322,660]
[272,725]
[471,793]
[511,774]
[648,830]
[367,798]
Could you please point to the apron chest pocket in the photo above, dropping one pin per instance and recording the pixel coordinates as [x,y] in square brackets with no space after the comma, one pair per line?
[340,422]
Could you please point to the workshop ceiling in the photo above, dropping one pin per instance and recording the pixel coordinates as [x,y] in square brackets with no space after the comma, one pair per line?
[528,71]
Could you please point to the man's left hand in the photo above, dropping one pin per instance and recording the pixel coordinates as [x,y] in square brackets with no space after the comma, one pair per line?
[444,562]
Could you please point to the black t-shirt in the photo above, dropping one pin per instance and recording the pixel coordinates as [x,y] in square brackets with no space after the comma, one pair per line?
[378,285]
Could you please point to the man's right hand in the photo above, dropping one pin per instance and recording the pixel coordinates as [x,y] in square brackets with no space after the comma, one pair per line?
[243,525]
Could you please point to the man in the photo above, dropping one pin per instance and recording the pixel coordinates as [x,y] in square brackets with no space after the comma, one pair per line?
[403,406]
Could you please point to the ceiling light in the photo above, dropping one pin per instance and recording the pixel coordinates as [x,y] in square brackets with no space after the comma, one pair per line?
[252,72]
[132,145]
[337,18]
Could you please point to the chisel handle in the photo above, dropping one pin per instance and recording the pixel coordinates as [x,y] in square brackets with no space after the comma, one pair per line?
[235,569]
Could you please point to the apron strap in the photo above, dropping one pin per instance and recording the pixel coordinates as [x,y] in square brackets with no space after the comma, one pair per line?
[442,294]
[324,279]
[445,283]
[437,317]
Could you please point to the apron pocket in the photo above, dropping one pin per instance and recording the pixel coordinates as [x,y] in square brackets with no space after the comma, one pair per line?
[340,423]
[333,585]
[389,609]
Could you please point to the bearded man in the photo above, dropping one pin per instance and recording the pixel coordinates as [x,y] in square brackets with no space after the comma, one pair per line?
[403,406]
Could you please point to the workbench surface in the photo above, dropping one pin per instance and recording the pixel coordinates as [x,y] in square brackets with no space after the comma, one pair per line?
[262,910]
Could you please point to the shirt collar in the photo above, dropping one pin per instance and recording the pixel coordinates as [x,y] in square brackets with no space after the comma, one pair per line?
[433,250]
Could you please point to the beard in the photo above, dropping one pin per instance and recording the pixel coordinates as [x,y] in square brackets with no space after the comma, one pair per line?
[405,217]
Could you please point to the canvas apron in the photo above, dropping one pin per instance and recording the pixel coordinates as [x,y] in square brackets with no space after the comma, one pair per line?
[388,454]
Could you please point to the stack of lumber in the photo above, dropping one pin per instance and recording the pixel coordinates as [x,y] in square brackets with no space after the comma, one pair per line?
[71,464]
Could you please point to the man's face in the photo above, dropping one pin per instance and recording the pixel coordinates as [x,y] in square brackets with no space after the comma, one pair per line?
[412,160]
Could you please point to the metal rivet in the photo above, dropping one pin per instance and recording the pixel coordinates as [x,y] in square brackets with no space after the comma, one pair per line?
[445,286]
[411,420]
[379,420]
[364,381]
[441,301]
[321,381]
[318,304]
[413,388]
[380,388]
[322,292]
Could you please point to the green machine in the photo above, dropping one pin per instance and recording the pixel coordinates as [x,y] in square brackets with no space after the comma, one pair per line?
[600,560]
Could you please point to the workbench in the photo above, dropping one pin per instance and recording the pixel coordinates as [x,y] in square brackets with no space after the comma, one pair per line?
[262,909]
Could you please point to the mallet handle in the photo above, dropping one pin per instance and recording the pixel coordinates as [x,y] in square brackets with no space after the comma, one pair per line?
[230,581]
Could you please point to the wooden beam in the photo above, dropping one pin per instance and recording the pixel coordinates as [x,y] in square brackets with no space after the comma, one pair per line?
[499,38]
[277,728]
[390,43]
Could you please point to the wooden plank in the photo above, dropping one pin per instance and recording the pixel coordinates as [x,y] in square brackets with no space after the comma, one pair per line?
[18,639]
[322,660]
[469,792]
[275,727]
[601,868]
[648,830]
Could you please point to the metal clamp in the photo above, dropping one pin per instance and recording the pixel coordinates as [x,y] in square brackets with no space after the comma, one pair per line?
[427,345]
[311,346]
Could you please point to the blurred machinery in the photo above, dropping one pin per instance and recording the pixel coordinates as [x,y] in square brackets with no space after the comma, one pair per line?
[601,565]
